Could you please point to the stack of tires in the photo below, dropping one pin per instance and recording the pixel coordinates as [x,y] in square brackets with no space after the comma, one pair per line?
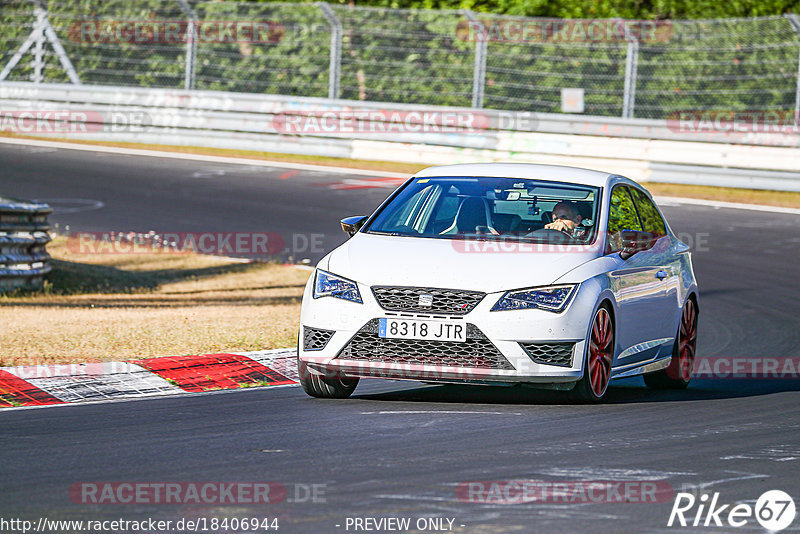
[24,260]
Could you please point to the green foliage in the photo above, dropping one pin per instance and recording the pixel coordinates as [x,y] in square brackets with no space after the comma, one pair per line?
[409,56]
[16,21]
[623,214]
[713,9]
[629,9]
[103,63]
[427,57]
[294,59]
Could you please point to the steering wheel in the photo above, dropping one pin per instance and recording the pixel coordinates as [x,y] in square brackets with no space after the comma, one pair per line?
[543,232]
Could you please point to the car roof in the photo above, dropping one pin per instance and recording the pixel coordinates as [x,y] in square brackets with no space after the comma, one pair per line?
[556,173]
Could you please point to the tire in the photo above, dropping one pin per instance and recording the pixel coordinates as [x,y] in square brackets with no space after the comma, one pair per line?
[679,371]
[592,387]
[325,387]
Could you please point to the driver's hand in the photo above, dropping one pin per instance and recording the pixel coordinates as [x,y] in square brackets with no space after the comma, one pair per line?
[562,225]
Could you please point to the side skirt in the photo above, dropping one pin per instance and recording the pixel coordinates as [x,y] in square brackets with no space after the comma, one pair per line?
[641,368]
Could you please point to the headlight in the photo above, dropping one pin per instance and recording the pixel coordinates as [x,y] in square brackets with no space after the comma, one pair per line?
[330,285]
[553,298]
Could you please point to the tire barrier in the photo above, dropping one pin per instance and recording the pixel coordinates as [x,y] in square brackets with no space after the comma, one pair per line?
[24,260]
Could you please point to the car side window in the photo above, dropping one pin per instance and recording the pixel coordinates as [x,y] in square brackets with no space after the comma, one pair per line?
[648,213]
[621,216]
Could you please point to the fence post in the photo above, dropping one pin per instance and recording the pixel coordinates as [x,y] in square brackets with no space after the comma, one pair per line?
[38,47]
[335,67]
[42,30]
[794,20]
[479,71]
[631,68]
[50,35]
[191,44]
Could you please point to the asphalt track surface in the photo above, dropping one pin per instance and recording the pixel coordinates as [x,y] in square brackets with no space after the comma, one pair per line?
[400,449]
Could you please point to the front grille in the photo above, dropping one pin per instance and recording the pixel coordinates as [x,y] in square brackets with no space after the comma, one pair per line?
[315,338]
[550,353]
[476,352]
[447,301]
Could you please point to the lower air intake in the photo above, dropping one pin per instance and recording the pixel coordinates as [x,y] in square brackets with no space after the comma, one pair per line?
[315,338]
[550,353]
[476,352]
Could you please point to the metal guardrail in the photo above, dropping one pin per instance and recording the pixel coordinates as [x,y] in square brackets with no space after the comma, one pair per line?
[24,260]
[175,108]
[643,149]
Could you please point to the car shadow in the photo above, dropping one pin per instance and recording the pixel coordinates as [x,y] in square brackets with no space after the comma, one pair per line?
[629,391]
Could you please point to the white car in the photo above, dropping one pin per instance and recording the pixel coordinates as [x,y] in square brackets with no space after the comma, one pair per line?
[503,274]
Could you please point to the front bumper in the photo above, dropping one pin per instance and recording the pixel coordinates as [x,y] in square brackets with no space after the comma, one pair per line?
[346,325]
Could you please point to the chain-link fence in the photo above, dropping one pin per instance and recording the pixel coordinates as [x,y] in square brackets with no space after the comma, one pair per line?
[623,68]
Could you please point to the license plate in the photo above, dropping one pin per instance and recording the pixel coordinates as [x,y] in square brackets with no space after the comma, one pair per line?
[428,330]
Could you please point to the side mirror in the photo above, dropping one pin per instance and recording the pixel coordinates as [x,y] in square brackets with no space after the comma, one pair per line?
[634,241]
[351,225]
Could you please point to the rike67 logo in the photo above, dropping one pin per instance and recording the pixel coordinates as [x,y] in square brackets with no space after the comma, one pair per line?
[774,510]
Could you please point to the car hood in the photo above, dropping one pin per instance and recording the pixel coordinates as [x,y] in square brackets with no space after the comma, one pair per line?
[487,266]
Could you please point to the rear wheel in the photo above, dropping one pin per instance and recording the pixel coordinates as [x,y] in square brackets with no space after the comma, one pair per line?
[599,355]
[679,371]
[330,386]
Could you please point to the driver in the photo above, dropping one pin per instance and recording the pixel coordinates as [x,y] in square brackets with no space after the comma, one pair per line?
[565,218]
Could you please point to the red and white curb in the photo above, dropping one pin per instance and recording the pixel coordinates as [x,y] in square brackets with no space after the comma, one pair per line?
[41,385]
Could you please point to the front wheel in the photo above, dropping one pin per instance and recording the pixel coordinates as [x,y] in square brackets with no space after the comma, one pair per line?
[599,356]
[679,371]
[325,387]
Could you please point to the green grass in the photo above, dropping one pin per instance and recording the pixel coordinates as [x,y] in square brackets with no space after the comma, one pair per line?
[129,306]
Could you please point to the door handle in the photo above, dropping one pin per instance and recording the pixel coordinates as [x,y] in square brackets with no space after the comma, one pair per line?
[661,274]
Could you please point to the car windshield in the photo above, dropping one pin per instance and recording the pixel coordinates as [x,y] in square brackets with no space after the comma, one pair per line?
[491,208]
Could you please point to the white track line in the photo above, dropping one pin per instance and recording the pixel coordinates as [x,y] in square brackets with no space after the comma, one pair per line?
[336,170]
[199,157]
[730,205]
[179,394]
